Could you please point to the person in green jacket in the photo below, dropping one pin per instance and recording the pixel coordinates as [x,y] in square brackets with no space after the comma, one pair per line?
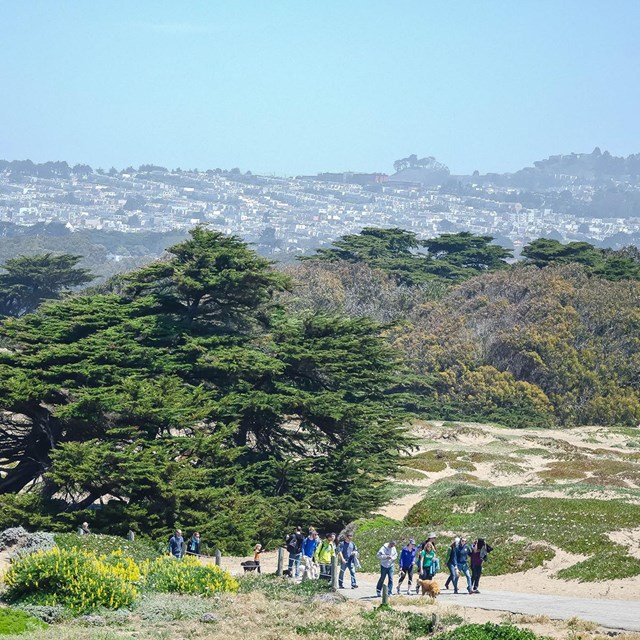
[324,553]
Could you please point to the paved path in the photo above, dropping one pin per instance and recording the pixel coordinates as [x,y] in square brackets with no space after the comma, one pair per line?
[616,614]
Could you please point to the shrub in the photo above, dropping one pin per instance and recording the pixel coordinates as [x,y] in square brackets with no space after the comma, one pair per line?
[48,614]
[13,621]
[163,607]
[11,537]
[488,631]
[188,575]
[75,579]
[24,542]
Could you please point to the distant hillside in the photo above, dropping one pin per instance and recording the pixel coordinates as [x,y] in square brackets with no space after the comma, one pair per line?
[424,171]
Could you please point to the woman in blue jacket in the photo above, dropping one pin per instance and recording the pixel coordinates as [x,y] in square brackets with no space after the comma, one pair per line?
[407,560]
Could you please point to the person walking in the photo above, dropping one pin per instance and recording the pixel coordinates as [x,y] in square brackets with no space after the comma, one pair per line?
[347,556]
[324,553]
[407,561]
[193,546]
[176,542]
[387,556]
[479,553]
[294,547]
[309,546]
[452,565]
[426,563]
[464,552]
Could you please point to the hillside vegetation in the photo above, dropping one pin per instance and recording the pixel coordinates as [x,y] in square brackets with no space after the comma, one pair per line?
[566,498]
[554,340]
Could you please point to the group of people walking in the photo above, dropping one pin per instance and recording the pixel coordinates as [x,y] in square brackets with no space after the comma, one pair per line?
[316,554]
[312,556]
[462,559]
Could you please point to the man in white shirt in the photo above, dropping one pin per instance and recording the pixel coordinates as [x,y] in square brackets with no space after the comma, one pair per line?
[387,556]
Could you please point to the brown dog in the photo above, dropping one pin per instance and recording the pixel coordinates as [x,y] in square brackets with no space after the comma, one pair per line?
[429,587]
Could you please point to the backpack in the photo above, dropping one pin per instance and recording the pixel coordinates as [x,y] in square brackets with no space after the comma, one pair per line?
[292,543]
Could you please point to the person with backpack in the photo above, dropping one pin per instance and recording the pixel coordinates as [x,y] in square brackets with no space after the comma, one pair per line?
[427,563]
[387,555]
[407,560]
[294,546]
[309,547]
[347,553]
[479,552]
[464,552]
[324,553]
[176,542]
[452,565]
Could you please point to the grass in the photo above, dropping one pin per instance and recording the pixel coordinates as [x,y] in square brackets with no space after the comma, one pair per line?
[610,563]
[407,474]
[397,490]
[602,471]
[501,514]
[15,622]
[379,624]
[139,550]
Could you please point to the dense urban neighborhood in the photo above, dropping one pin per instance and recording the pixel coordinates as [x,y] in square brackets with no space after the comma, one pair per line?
[285,217]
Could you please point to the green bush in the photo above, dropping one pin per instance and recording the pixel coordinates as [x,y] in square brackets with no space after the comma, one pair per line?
[75,579]
[166,574]
[13,622]
[488,631]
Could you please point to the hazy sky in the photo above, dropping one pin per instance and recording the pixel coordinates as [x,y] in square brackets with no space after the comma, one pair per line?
[302,86]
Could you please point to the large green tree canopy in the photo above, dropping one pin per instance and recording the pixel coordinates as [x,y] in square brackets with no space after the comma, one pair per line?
[193,398]
[452,257]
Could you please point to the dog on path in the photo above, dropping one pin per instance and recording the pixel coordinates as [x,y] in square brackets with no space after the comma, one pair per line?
[429,587]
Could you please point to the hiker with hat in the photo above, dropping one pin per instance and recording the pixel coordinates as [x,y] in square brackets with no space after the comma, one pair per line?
[387,555]
[452,565]
[407,560]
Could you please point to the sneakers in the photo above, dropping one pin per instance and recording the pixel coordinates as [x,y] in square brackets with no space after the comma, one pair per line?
[340,586]
[379,594]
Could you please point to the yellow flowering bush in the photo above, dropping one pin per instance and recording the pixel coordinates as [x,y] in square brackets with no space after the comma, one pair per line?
[188,575]
[76,579]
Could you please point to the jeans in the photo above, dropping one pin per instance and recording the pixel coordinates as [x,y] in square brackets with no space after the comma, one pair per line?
[294,559]
[309,567]
[325,571]
[352,571]
[463,568]
[385,572]
[453,577]
[476,572]
[406,571]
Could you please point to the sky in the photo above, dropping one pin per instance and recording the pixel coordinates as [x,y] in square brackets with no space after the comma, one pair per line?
[298,87]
